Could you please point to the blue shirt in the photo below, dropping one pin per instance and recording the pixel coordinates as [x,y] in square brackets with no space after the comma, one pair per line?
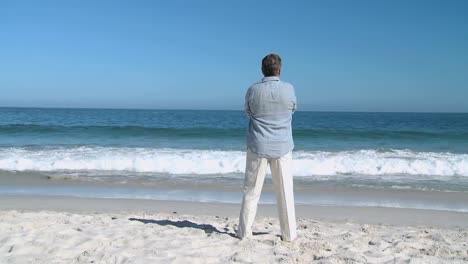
[270,104]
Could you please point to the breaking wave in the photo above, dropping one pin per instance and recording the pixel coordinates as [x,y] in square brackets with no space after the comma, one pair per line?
[192,161]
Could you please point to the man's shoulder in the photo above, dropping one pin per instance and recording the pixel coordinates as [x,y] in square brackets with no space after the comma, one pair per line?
[257,84]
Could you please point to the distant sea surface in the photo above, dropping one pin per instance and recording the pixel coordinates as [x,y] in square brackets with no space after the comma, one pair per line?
[413,160]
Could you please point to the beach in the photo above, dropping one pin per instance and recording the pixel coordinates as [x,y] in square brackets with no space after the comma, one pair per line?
[165,186]
[48,229]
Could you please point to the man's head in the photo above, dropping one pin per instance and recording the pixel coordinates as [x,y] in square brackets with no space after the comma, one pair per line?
[271,65]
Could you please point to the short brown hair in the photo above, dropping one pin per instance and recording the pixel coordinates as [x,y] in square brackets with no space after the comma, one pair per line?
[271,65]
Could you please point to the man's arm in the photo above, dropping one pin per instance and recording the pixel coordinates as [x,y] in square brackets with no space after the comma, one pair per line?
[294,101]
[246,105]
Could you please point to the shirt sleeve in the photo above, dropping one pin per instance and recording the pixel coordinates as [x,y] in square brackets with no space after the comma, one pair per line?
[247,105]
[294,101]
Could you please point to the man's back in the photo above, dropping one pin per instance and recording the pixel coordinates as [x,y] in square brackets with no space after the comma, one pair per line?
[270,104]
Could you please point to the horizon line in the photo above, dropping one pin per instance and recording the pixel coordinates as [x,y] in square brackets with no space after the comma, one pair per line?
[180,109]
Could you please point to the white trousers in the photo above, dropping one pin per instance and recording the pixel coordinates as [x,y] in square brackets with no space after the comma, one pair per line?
[281,172]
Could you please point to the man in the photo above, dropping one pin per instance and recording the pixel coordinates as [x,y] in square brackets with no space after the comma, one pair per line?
[269,104]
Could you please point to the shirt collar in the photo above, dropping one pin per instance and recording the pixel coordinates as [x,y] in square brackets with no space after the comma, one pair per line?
[270,78]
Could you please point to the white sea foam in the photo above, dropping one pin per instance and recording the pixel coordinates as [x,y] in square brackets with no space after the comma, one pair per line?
[176,161]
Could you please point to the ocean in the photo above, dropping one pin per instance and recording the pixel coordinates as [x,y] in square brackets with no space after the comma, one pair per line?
[405,160]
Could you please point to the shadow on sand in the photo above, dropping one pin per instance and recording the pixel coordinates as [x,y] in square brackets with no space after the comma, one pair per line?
[208,229]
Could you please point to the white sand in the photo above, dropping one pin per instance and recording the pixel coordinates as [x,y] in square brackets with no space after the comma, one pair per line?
[61,237]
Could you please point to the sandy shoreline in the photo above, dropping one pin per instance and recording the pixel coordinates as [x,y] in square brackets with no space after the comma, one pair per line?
[336,214]
[226,191]
[41,229]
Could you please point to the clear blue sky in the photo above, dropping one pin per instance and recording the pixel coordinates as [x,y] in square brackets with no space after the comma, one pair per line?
[339,55]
